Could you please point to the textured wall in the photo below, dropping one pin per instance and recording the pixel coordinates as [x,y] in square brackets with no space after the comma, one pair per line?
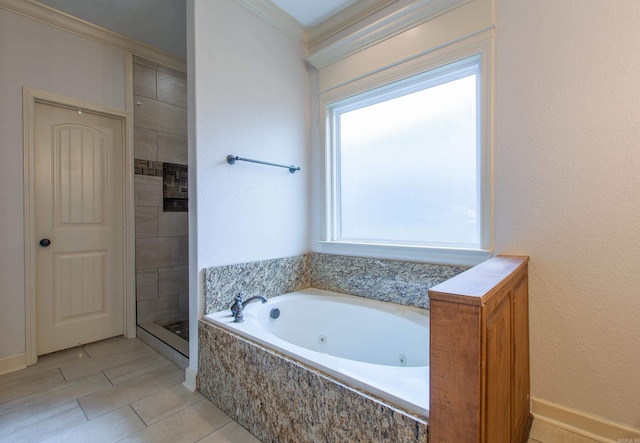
[567,193]
[251,100]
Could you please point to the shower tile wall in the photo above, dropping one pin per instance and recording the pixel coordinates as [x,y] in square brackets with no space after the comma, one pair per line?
[160,119]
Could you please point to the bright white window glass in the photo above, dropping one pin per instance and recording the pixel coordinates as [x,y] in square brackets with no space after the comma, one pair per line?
[408,161]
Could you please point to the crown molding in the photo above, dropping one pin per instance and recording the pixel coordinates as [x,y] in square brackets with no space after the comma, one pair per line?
[317,34]
[66,22]
[389,26]
[346,18]
[278,18]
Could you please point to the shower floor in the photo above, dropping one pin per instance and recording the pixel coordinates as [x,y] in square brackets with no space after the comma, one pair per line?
[181,329]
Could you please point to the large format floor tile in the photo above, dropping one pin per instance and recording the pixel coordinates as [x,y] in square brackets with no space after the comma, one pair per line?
[109,427]
[114,390]
[186,426]
[164,403]
[123,390]
[113,397]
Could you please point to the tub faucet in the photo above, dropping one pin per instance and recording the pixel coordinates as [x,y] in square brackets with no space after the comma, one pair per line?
[238,305]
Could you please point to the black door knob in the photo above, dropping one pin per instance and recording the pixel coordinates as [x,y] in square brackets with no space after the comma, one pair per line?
[45,242]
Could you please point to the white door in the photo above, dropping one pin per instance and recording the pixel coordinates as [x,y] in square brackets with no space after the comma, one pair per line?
[79,223]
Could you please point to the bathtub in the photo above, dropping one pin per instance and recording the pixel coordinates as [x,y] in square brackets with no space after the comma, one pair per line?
[379,348]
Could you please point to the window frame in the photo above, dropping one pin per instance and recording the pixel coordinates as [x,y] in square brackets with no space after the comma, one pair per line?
[382,79]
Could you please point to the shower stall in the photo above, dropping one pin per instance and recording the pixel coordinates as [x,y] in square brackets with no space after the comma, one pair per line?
[161,204]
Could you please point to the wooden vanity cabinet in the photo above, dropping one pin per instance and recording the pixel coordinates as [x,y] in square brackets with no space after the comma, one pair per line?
[479,375]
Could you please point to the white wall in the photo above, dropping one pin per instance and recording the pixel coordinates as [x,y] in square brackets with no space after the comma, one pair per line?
[567,183]
[41,57]
[251,90]
[251,99]
[568,193]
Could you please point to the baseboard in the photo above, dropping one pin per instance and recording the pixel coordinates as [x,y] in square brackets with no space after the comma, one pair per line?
[581,423]
[190,377]
[13,363]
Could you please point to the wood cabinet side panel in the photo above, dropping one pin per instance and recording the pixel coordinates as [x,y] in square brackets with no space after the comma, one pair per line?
[454,412]
[520,359]
[496,415]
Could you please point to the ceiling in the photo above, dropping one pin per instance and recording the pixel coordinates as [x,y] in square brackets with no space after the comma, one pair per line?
[311,12]
[159,23]
[162,23]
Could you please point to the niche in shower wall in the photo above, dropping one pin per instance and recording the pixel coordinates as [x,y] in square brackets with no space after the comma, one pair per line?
[175,188]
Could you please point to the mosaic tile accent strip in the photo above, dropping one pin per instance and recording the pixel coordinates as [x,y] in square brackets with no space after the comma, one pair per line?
[175,205]
[405,283]
[280,400]
[147,167]
[175,188]
[268,278]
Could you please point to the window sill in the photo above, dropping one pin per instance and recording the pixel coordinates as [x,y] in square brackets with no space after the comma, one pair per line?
[422,254]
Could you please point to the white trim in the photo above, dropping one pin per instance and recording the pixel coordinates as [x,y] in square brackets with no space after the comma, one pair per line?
[29,99]
[396,23]
[28,116]
[66,22]
[581,423]
[478,43]
[423,60]
[320,32]
[12,363]
[348,17]
[278,18]
[190,379]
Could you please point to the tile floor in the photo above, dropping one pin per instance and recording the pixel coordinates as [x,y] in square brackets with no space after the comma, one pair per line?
[123,390]
[114,390]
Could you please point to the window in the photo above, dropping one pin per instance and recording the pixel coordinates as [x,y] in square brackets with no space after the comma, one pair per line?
[407,160]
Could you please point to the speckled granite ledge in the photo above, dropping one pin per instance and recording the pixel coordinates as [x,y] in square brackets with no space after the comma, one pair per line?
[267,278]
[405,283]
[393,281]
[279,400]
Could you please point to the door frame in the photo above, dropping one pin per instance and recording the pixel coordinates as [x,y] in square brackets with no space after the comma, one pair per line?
[29,99]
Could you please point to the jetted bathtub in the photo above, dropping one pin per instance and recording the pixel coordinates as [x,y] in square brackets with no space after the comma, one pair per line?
[378,347]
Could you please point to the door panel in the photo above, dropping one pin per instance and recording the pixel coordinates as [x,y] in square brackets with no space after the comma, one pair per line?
[80,286]
[78,206]
[81,166]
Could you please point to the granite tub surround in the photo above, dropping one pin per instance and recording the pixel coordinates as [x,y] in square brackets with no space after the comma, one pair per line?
[405,283]
[268,278]
[280,400]
[392,281]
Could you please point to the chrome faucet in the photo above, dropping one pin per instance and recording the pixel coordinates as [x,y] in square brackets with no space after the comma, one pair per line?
[238,305]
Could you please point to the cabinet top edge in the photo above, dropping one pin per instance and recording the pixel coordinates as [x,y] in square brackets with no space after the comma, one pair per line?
[476,285]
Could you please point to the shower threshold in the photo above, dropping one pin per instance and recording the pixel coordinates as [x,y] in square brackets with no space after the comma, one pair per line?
[169,336]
